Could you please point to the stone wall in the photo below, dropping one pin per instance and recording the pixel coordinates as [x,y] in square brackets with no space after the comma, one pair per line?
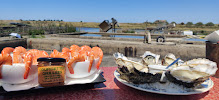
[13,43]
[137,49]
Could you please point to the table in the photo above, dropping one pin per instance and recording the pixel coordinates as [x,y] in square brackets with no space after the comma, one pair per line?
[109,90]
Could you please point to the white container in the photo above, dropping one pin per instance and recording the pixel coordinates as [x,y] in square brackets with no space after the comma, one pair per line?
[81,69]
[14,74]
[188,32]
[153,69]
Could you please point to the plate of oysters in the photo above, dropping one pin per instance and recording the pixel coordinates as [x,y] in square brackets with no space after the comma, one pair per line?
[170,75]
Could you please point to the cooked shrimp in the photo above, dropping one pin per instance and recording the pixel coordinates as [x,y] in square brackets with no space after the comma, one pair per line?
[98,53]
[6,55]
[7,50]
[54,53]
[57,54]
[73,60]
[34,53]
[85,49]
[91,58]
[28,59]
[18,54]
[74,50]
[6,60]
[37,54]
[66,52]
[84,52]
[43,54]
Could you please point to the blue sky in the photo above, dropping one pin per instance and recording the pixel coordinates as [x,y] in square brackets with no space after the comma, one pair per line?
[123,10]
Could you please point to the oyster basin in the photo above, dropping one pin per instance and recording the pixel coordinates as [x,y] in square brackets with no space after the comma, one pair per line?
[81,69]
[14,74]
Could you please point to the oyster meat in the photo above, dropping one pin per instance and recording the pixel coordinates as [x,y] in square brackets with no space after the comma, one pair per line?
[168,59]
[150,58]
[192,73]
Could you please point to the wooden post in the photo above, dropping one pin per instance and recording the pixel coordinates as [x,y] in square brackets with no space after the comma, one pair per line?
[149,37]
[212,53]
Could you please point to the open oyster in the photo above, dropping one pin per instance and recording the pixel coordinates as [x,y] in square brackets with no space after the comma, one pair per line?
[134,72]
[150,58]
[192,73]
[168,59]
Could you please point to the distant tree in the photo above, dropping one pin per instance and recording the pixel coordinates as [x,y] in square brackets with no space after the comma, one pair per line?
[188,24]
[39,20]
[182,23]
[173,22]
[147,22]
[61,20]
[199,24]
[209,24]
[21,20]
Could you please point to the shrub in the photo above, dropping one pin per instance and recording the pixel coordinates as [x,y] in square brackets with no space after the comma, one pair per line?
[199,24]
[36,32]
[189,24]
[209,24]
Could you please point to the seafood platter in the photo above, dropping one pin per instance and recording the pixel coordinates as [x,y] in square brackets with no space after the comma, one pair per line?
[170,75]
[22,69]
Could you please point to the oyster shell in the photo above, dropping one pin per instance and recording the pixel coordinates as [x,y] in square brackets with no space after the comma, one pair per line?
[192,73]
[168,59]
[129,65]
[134,72]
[150,58]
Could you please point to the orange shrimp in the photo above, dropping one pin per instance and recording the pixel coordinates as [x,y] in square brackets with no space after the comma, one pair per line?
[31,57]
[28,59]
[43,54]
[74,50]
[37,54]
[54,53]
[74,59]
[5,56]
[66,52]
[91,58]
[7,50]
[85,49]
[18,54]
[34,53]
[98,53]
[6,60]
[57,54]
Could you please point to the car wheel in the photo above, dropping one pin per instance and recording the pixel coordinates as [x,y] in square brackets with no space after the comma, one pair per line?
[160,39]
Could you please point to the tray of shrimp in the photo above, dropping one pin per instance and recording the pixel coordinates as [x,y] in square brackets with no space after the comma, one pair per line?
[19,66]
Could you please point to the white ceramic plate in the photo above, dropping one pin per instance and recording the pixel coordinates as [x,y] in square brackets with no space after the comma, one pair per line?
[168,88]
[34,83]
